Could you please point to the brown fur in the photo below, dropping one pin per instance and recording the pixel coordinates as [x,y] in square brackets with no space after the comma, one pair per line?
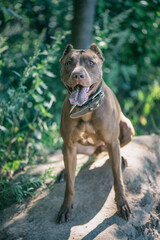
[106,128]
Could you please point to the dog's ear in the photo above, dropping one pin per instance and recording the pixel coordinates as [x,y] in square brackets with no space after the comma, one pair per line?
[66,51]
[95,49]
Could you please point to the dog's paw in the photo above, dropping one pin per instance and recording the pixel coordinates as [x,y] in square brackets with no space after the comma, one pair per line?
[99,149]
[61,177]
[124,163]
[64,214]
[123,209]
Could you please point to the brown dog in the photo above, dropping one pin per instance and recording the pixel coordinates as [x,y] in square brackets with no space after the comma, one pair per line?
[92,117]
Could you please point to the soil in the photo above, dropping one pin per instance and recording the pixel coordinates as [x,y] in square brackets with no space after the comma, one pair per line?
[94,214]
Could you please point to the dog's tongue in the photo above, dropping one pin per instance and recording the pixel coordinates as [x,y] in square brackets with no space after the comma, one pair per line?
[78,95]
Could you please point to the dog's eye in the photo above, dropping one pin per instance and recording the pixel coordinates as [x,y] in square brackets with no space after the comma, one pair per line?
[69,62]
[91,62]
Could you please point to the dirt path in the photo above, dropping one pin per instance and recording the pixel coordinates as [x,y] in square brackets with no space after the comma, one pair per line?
[94,215]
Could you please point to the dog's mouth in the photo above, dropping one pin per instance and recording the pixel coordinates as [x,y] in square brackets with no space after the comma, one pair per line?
[79,94]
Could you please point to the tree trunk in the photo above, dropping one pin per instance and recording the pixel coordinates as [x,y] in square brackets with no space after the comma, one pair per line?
[82,25]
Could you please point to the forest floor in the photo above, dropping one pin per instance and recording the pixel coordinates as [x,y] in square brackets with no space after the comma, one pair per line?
[94,214]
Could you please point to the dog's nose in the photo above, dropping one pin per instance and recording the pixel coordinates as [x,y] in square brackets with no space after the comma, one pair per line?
[78,75]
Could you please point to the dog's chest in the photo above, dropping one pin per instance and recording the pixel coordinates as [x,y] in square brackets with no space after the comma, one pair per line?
[87,134]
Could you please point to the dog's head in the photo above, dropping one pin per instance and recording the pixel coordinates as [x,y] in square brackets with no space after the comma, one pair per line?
[81,72]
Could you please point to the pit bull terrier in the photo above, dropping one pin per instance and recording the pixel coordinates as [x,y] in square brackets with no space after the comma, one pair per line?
[91,122]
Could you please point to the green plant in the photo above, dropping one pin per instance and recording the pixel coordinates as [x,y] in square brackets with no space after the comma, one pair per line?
[129,41]
[27,121]
[26,186]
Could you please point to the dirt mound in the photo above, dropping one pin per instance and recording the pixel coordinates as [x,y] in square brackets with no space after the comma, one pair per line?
[94,215]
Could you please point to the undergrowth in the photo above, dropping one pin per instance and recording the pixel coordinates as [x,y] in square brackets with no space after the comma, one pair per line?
[28,123]
[26,186]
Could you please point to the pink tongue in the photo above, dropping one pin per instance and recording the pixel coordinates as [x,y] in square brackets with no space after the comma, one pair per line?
[78,96]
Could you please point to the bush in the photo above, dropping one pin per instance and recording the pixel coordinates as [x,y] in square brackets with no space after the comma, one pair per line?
[129,36]
[28,119]
[31,93]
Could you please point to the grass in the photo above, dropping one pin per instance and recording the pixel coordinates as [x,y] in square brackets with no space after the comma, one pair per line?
[25,186]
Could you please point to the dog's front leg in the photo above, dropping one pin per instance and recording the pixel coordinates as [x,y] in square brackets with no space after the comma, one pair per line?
[115,159]
[70,161]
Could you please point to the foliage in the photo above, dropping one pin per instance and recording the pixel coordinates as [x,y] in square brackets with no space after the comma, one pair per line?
[24,112]
[23,122]
[26,186]
[31,94]
[129,36]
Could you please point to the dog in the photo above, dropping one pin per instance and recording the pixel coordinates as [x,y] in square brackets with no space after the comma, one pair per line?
[91,122]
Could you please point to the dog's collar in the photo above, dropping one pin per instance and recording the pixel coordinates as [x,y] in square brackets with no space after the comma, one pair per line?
[94,102]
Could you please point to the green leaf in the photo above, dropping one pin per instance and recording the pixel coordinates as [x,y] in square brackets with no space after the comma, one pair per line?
[147,109]
[38,98]
[140,95]
[3,129]
[44,112]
